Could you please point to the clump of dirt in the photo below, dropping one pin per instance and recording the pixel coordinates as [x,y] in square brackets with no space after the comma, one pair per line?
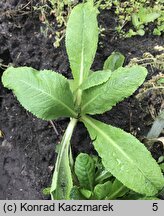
[27,148]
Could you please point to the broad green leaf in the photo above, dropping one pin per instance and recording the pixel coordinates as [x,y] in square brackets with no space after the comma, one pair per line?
[85,170]
[81,40]
[125,157]
[117,190]
[102,190]
[95,79]
[44,93]
[122,83]
[114,61]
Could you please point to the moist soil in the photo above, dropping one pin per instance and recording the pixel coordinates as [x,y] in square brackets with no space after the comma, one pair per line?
[27,144]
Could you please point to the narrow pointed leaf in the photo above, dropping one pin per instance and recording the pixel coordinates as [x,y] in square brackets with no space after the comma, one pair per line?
[44,93]
[122,83]
[81,40]
[95,79]
[114,61]
[125,157]
[62,185]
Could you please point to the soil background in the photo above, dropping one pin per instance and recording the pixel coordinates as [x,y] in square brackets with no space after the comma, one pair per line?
[27,147]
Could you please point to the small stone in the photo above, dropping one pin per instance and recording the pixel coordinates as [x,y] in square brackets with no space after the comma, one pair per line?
[51,168]
[6,144]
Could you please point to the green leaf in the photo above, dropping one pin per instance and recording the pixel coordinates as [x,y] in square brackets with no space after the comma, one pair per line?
[144,16]
[63,182]
[95,79]
[103,175]
[135,20]
[131,195]
[162,167]
[85,170]
[149,198]
[62,177]
[86,193]
[76,195]
[160,81]
[102,190]
[46,191]
[141,32]
[147,15]
[157,126]
[114,61]
[122,83]
[44,93]
[118,190]
[135,196]
[72,85]
[125,157]
[81,40]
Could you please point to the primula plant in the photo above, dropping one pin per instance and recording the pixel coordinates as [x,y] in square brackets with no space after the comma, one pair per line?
[49,95]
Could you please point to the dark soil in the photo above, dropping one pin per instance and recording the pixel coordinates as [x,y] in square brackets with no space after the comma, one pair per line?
[27,147]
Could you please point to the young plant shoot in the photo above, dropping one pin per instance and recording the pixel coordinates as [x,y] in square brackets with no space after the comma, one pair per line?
[49,95]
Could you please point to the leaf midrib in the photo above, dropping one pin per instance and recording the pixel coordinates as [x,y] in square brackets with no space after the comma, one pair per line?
[82,52]
[49,95]
[89,102]
[108,138]
[116,146]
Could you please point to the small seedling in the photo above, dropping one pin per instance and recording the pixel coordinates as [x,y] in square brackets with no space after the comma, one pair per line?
[142,18]
[49,95]
[139,14]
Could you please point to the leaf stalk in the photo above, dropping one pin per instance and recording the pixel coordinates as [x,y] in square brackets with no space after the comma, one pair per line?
[64,150]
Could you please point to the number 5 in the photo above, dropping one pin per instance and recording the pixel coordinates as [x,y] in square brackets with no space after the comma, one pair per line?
[155,207]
